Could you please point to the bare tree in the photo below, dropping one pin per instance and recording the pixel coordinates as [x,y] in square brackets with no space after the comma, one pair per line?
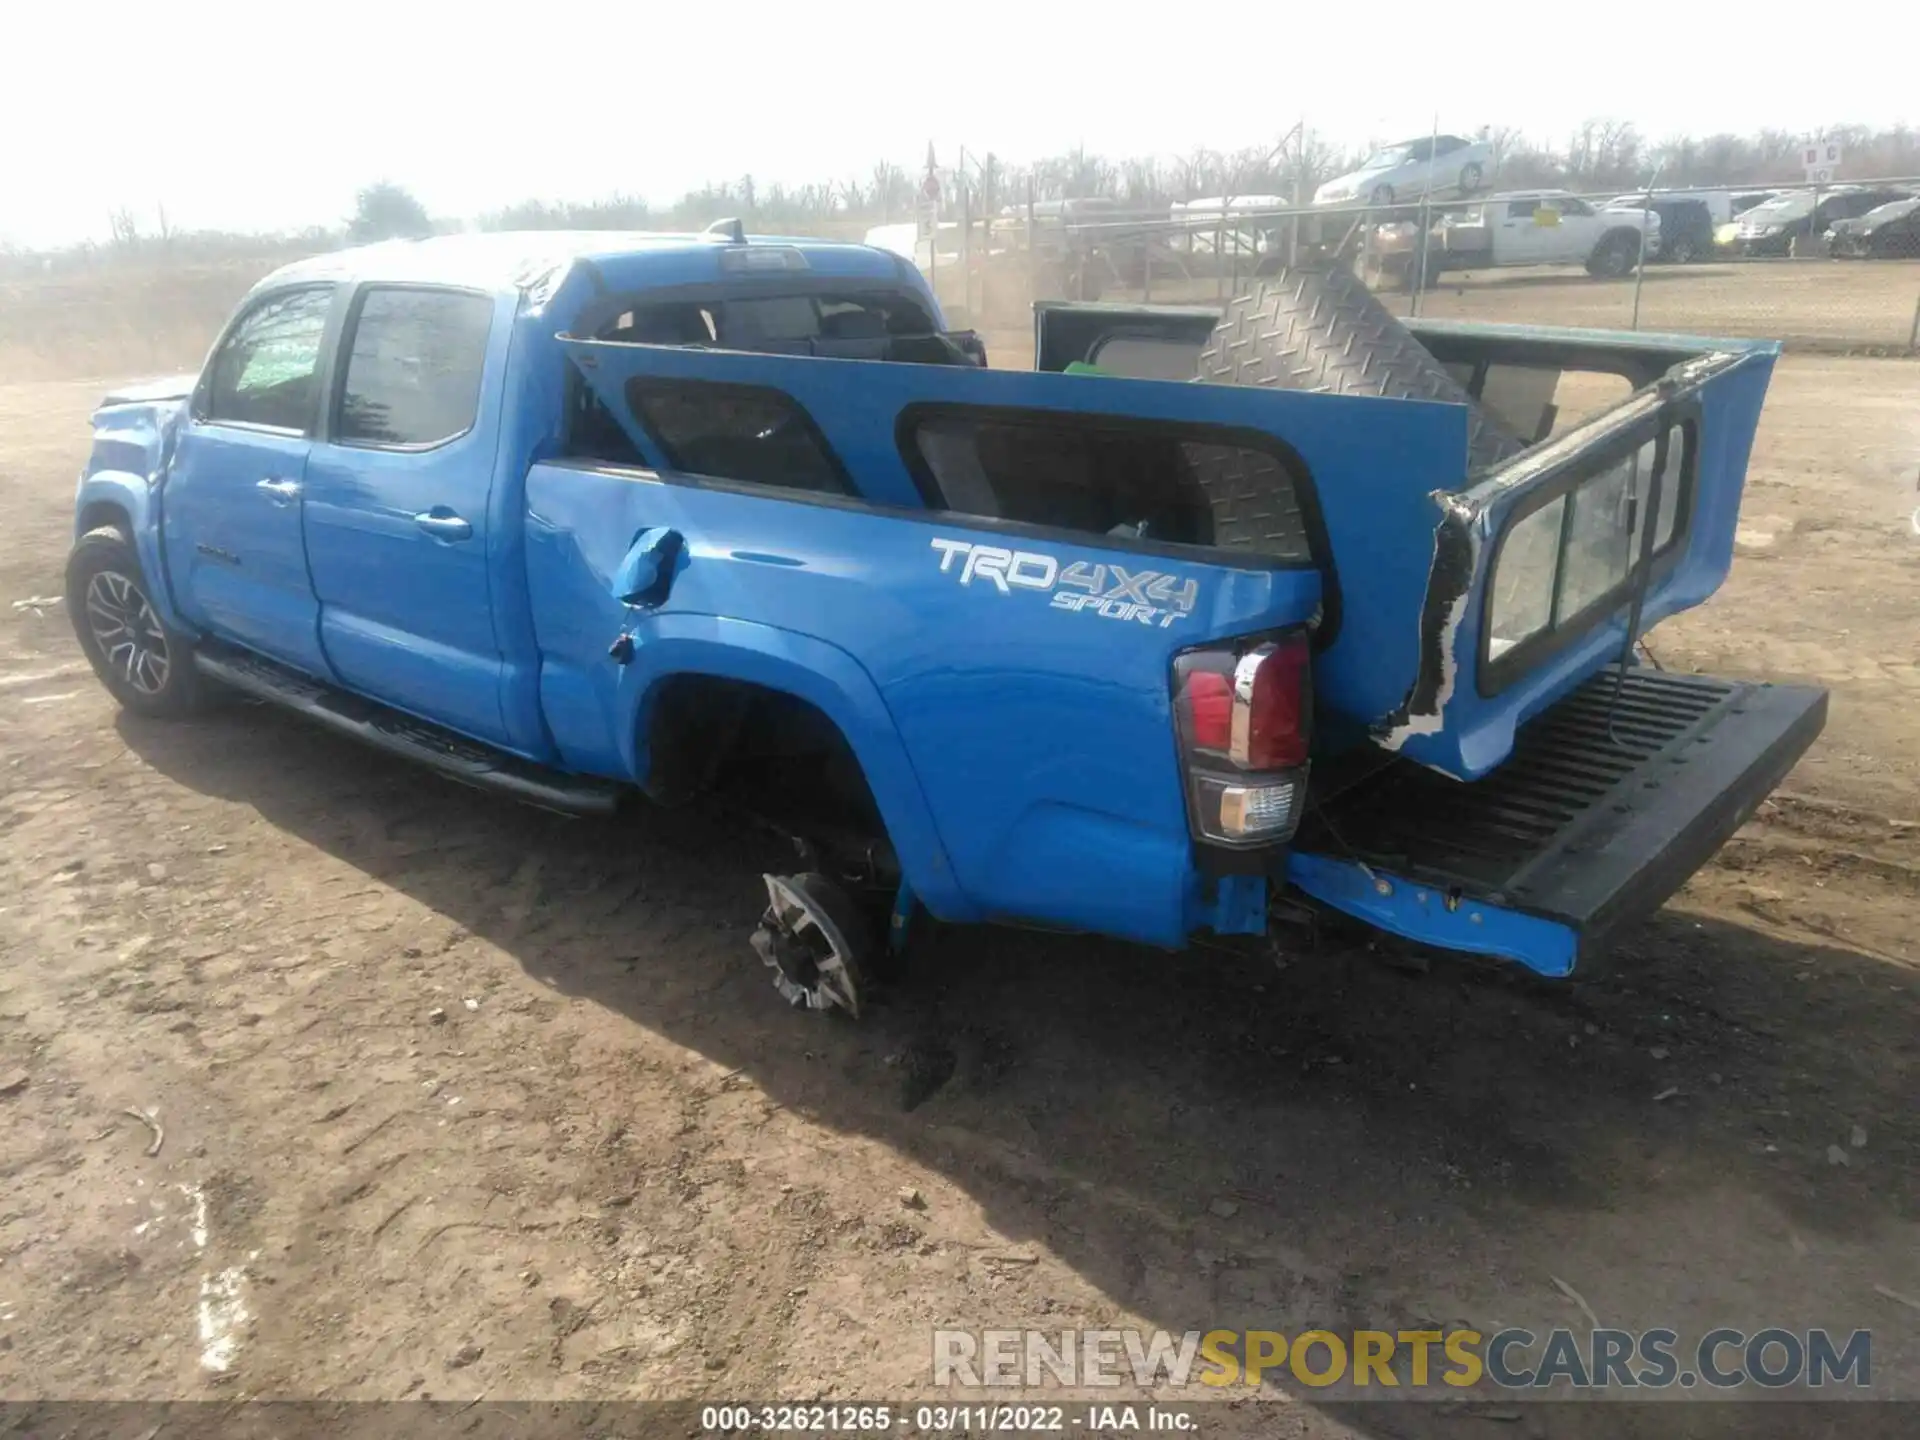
[992,183]
[889,191]
[1503,140]
[1140,180]
[1197,174]
[124,229]
[1087,176]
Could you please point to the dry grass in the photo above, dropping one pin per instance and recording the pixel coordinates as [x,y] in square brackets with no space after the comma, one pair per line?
[118,320]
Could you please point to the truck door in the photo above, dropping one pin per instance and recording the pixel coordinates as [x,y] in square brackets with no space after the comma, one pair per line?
[1526,232]
[231,517]
[397,528]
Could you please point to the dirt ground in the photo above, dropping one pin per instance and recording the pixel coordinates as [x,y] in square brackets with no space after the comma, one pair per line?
[1820,302]
[461,1100]
[1835,305]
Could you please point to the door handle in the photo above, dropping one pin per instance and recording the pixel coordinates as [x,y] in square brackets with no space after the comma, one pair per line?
[444,525]
[280,492]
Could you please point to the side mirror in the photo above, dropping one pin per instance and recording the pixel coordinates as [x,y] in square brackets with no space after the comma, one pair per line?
[971,345]
[647,568]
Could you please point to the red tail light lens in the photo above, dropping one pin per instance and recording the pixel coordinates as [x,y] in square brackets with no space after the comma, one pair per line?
[1244,711]
[1209,699]
[1273,681]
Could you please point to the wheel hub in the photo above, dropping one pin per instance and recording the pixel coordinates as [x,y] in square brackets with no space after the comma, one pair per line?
[792,960]
[812,954]
[129,634]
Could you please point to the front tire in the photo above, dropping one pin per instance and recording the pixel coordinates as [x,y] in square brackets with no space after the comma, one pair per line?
[145,664]
[1471,176]
[1615,256]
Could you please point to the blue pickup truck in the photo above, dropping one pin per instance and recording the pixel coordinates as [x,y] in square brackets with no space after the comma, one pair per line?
[1090,646]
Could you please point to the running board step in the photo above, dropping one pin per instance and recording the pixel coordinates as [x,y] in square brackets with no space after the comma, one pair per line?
[452,755]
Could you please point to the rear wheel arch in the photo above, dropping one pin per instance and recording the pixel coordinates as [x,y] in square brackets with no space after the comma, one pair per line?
[690,715]
[767,752]
[832,691]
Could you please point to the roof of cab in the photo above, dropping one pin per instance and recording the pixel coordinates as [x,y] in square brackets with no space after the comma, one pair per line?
[511,261]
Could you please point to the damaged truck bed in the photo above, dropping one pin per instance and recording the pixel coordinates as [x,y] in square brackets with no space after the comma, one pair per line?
[740,523]
[1531,787]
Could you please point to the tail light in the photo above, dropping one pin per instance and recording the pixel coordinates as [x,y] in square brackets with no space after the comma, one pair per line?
[1245,713]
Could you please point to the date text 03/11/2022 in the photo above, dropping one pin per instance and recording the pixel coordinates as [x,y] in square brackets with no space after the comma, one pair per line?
[944,1419]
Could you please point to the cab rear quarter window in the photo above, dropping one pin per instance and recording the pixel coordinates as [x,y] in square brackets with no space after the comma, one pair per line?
[413,366]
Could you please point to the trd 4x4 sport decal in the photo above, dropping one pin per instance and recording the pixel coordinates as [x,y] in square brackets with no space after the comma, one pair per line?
[1113,592]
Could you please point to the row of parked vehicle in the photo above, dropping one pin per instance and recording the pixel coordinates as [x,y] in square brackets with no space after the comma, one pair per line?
[1853,221]
[1860,220]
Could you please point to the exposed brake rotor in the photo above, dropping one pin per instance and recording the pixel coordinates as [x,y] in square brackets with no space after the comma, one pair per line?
[810,937]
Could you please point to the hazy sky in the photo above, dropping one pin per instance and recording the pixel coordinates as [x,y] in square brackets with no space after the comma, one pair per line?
[270,115]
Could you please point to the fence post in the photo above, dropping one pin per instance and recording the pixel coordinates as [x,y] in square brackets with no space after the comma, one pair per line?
[966,247]
[1913,335]
[1640,270]
[1420,225]
[1033,254]
[1299,198]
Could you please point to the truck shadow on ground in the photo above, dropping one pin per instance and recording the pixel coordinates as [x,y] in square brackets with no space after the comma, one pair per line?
[1207,1140]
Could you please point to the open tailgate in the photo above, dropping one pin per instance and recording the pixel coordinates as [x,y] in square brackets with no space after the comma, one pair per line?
[1611,799]
[1596,790]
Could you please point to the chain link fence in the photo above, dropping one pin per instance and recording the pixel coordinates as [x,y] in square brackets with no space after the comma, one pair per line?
[1738,280]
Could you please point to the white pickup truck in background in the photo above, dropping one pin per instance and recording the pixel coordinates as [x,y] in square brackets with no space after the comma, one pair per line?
[1543,227]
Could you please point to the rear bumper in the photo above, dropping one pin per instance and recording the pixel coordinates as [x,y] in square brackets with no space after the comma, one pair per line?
[1600,815]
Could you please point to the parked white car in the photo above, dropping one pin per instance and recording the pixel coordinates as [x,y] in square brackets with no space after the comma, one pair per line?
[1435,165]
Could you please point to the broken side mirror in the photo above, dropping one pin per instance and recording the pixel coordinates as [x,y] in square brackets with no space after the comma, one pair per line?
[970,344]
[646,571]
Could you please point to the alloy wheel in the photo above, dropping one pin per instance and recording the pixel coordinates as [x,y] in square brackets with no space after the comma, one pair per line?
[128,633]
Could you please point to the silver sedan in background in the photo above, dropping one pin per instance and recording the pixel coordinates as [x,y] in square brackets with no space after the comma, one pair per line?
[1439,165]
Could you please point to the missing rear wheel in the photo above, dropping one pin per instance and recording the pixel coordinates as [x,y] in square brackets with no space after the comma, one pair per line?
[815,941]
